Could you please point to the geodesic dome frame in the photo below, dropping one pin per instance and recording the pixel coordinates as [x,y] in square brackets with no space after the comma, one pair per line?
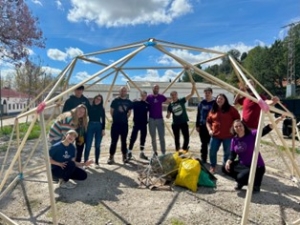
[118,68]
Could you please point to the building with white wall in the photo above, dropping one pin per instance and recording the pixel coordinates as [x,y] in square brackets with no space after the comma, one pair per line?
[12,102]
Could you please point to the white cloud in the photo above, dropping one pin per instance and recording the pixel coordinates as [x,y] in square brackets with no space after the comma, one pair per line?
[116,13]
[59,55]
[153,75]
[50,70]
[37,2]
[59,5]
[193,57]
[83,75]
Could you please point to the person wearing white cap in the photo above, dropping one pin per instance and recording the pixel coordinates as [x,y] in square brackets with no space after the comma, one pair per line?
[63,164]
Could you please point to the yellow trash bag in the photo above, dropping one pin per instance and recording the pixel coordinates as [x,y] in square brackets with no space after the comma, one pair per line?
[188,174]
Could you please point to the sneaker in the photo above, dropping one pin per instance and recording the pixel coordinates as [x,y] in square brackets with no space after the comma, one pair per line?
[129,156]
[97,166]
[212,170]
[143,156]
[111,160]
[66,184]
[238,187]
[125,159]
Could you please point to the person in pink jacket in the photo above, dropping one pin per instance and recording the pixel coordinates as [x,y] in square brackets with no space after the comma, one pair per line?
[219,122]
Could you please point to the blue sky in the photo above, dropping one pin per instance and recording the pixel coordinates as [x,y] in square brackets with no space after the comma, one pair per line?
[75,27]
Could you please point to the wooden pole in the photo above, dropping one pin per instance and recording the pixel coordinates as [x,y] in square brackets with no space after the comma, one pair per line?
[90,78]
[48,169]
[8,148]
[10,186]
[18,143]
[20,148]
[110,89]
[171,84]
[7,219]
[253,169]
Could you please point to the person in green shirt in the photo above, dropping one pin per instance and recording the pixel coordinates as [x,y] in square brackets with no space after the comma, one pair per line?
[180,118]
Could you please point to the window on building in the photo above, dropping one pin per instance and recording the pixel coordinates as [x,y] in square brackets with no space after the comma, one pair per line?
[17,106]
[9,107]
[13,105]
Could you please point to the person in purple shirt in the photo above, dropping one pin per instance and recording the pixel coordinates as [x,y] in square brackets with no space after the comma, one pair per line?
[156,120]
[242,145]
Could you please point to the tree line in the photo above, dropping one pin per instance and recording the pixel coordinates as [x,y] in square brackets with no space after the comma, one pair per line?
[268,64]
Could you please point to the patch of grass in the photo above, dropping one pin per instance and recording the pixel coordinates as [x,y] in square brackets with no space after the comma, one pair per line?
[6,130]
[175,221]
[23,127]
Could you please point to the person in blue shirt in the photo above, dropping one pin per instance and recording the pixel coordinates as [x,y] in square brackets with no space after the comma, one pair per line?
[202,111]
[63,164]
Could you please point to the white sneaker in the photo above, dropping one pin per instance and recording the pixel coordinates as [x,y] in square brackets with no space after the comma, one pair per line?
[67,185]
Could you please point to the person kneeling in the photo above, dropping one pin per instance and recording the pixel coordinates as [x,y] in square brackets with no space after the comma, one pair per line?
[63,164]
[242,145]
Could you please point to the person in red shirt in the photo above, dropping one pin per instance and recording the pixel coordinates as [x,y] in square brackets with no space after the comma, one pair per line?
[218,122]
[251,110]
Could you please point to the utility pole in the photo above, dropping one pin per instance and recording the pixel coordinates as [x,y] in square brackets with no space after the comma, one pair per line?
[291,81]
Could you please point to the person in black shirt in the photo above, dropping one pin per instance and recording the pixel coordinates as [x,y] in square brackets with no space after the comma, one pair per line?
[140,120]
[96,128]
[120,110]
[74,100]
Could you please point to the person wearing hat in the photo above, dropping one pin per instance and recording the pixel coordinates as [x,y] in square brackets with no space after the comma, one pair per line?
[63,164]
[202,111]
[74,100]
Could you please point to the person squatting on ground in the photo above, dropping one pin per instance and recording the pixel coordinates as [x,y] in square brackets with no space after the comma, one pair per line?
[242,149]
[140,121]
[96,128]
[73,101]
[120,110]
[67,121]
[63,164]
[251,110]
[156,120]
[202,111]
[180,118]
[219,122]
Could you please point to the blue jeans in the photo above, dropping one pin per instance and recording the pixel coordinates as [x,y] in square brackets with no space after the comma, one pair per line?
[94,130]
[214,148]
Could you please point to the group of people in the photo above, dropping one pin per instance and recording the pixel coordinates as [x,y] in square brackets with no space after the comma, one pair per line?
[220,123]
[217,122]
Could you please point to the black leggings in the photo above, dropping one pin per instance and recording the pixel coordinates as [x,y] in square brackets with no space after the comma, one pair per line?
[241,173]
[143,134]
[71,171]
[184,128]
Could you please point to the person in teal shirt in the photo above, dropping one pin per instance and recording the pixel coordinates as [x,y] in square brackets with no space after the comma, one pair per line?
[180,118]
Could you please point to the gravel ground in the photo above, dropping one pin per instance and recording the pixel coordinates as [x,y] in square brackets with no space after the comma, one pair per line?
[112,195]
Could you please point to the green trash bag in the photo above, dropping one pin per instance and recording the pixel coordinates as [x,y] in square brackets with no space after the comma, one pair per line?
[204,180]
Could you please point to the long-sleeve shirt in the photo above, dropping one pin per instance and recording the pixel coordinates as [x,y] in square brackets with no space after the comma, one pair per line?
[97,114]
[221,122]
[244,147]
